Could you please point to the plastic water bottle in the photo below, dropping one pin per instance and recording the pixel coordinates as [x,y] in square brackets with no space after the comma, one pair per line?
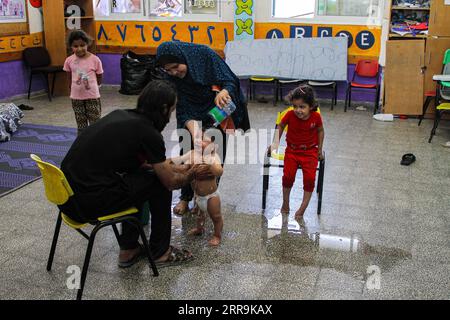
[219,114]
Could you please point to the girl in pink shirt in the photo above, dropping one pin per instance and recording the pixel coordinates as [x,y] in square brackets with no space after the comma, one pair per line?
[85,72]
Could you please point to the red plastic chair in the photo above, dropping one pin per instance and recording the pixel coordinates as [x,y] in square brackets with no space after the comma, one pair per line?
[365,70]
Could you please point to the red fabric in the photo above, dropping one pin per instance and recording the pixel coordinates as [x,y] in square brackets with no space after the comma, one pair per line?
[302,132]
[363,85]
[308,160]
[430,94]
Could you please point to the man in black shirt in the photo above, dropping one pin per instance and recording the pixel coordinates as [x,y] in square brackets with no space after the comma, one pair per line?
[108,170]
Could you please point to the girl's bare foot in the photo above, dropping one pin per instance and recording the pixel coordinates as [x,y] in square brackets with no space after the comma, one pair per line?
[214,241]
[299,215]
[196,232]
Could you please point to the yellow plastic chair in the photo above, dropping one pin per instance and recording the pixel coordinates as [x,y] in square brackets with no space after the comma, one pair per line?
[265,81]
[440,110]
[58,192]
[276,155]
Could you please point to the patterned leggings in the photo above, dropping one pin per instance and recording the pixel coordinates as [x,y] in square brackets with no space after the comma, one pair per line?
[86,112]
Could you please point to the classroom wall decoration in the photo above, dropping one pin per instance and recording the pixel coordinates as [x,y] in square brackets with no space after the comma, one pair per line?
[362,40]
[244,20]
[303,58]
[19,43]
[13,11]
[151,34]
[36,3]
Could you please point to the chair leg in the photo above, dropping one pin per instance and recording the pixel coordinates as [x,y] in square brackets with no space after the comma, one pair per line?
[320,186]
[425,108]
[48,87]
[29,85]
[116,233]
[377,100]
[275,93]
[54,242]
[53,83]
[335,93]
[346,99]
[436,124]
[265,188]
[87,259]
[332,97]
[349,97]
[146,247]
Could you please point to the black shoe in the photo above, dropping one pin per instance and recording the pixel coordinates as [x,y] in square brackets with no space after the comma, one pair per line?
[407,159]
[25,107]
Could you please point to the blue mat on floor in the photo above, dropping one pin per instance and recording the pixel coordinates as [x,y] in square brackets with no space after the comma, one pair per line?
[48,142]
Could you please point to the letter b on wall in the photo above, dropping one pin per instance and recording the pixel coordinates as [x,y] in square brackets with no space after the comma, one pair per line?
[301,32]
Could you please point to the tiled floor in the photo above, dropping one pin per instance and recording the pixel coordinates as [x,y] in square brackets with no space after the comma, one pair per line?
[376,214]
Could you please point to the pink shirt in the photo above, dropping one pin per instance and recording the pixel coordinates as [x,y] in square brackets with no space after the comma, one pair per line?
[84,71]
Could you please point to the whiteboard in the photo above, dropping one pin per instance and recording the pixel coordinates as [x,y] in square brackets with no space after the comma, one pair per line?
[300,58]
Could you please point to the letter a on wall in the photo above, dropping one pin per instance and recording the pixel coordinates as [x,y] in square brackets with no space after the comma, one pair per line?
[244,20]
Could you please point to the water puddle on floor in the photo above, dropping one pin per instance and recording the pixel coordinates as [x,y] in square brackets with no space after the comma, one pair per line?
[302,242]
[276,239]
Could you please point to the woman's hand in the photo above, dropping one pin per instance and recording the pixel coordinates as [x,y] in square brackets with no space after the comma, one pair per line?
[222,98]
[203,171]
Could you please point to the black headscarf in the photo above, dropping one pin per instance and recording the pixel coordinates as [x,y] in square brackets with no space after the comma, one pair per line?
[205,69]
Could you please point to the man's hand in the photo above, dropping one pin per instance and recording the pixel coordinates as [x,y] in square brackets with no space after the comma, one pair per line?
[181,168]
[222,98]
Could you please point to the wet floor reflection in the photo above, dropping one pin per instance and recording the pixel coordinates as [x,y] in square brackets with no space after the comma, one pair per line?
[302,242]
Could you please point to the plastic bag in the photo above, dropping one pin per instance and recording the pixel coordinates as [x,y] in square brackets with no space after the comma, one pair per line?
[137,71]
[10,116]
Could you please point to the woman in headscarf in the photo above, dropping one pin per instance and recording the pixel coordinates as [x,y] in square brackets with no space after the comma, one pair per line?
[195,69]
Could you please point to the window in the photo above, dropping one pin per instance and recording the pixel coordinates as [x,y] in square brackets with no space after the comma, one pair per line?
[166,8]
[101,8]
[313,8]
[126,6]
[201,6]
[353,8]
[293,8]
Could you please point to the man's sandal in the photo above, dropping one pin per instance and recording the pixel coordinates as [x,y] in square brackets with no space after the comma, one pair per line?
[132,261]
[176,257]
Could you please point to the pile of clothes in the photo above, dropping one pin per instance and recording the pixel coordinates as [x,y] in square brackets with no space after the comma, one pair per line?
[410,21]
[10,119]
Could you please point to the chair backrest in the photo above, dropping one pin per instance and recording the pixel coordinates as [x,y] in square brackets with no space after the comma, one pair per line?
[57,188]
[36,57]
[446,69]
[446,57]
[367,68]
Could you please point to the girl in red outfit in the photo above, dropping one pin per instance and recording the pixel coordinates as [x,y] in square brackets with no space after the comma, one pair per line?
[304,145]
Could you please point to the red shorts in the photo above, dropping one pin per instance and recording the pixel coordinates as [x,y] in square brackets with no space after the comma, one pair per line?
[308,160]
